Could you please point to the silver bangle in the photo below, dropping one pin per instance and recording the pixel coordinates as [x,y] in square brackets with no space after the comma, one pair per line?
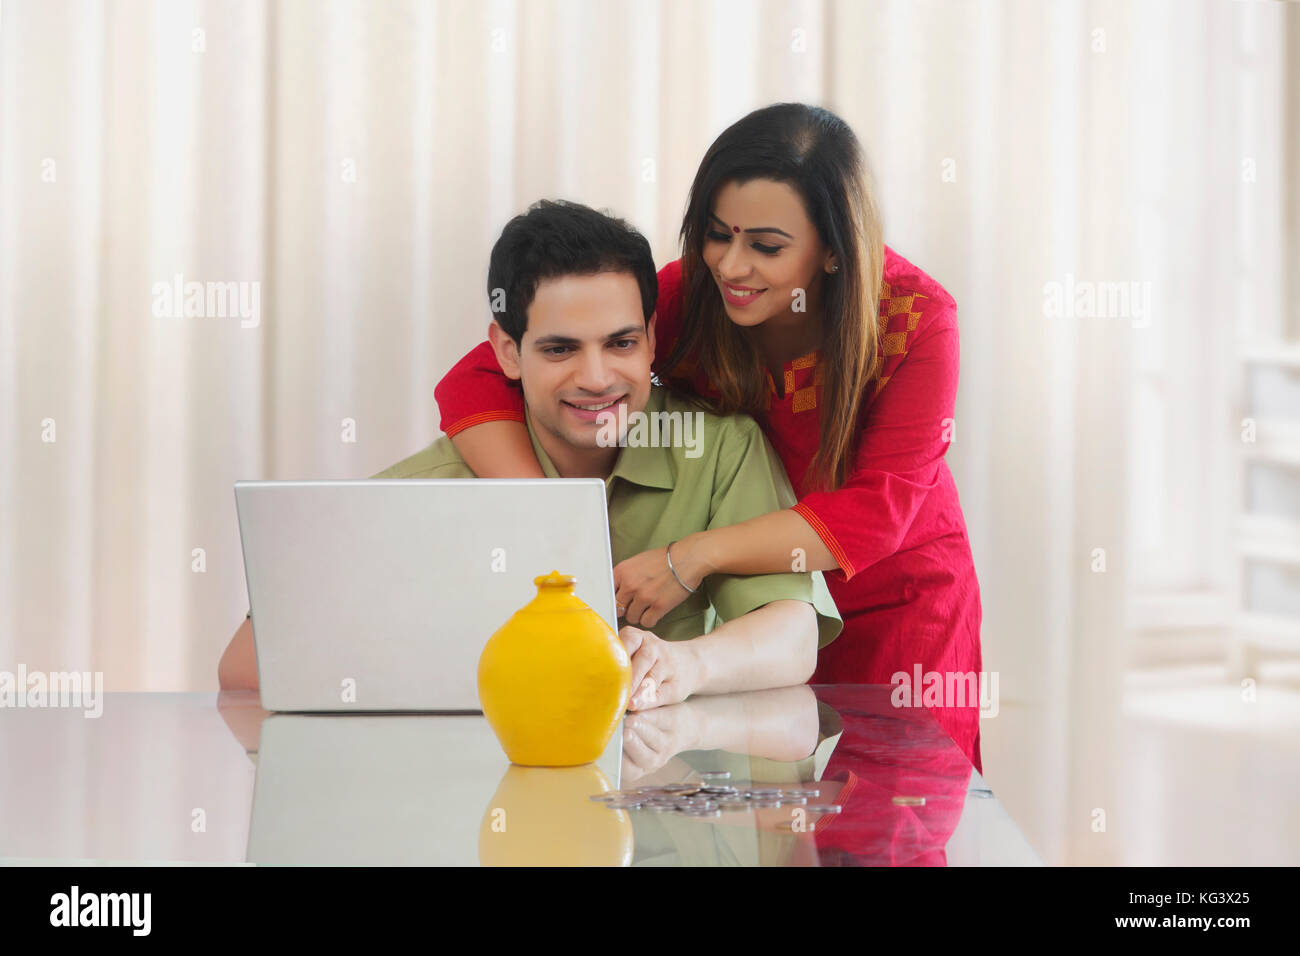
[669,556]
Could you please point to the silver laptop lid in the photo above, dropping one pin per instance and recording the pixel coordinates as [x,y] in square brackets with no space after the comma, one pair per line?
[378,595]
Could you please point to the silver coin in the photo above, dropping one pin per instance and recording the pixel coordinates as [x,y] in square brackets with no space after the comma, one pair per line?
[802,792]
[624,804]
[660,807]
[700,812]
[789,801]
[733,804]
[982,794]
[760,792]
[824,808]
[693,804]
[765,802]
[720,791]
[611,795]
[715,774]
[679,787]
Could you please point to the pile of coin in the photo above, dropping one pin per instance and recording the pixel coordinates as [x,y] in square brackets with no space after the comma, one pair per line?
[711,797]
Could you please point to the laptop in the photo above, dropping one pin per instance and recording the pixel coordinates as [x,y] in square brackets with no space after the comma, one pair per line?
[378,595]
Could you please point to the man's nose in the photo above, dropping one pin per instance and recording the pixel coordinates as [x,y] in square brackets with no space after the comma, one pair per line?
[594,372]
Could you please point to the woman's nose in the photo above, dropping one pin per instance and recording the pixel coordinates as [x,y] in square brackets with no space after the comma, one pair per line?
[733,267]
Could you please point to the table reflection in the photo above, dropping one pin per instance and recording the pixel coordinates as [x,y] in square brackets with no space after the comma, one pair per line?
[424,789]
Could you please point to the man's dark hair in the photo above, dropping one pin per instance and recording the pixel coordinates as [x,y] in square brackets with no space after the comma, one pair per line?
[556,238]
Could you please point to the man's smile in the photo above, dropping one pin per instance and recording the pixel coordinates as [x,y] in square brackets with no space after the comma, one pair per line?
[587,409]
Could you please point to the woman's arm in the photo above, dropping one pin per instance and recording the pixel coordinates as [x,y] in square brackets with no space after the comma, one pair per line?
[907,431]
[483,415]
[498,449]
[769,544]
[906,434]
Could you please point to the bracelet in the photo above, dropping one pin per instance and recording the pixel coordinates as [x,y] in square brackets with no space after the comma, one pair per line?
[668,555]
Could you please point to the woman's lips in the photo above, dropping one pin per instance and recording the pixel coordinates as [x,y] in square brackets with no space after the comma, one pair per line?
[591,411]
[739,296]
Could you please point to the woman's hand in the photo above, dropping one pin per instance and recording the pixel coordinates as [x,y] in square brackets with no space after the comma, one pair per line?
[663,672]
[644,585]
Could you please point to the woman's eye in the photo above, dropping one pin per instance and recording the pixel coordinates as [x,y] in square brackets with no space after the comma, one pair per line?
[761,247]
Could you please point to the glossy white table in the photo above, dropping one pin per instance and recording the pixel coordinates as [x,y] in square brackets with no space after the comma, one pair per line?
[174,778]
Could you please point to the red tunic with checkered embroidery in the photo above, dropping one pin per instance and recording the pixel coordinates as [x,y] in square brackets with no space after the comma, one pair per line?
[906,584]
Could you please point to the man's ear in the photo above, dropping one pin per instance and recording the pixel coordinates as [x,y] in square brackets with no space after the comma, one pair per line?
[650,333]
[506,349]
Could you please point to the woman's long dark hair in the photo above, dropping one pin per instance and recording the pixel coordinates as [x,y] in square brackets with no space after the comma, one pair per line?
[816,153]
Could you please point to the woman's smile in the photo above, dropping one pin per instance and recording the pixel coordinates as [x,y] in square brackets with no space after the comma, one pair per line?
[738,294]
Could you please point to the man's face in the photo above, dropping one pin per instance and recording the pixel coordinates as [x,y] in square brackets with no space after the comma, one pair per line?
[586,351]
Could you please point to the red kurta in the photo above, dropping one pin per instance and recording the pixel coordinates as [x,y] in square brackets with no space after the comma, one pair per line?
[906,584]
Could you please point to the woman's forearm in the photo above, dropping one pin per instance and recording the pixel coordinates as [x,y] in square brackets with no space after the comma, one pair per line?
[780,541]
[499,449]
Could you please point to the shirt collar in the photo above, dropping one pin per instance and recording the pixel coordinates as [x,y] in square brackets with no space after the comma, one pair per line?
[648,466]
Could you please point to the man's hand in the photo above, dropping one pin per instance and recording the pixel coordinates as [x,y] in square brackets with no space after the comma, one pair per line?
[663,672]
[653,738]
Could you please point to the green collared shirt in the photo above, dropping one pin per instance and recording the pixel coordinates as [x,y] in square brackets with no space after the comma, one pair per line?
[695,471]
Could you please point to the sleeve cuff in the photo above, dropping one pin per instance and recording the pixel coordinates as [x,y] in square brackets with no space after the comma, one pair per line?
[469,421]
[828,539]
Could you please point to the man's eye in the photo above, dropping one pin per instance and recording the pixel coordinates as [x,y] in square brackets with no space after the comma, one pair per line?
[624,344]
[556,350]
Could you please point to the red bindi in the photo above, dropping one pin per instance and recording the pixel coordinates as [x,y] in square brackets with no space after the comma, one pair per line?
[735,229]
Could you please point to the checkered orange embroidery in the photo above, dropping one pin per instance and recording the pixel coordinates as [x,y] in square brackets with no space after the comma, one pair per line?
[902,318]
[805,399]
[804,361]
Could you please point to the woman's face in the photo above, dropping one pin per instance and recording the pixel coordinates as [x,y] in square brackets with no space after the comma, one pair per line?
[764,252]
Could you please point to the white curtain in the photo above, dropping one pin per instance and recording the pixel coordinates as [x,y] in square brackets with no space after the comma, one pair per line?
[353,162]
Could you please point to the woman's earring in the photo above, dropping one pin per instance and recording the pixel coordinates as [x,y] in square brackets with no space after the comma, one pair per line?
[835,268]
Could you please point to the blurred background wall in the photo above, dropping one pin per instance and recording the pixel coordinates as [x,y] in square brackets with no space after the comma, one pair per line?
[1129,481]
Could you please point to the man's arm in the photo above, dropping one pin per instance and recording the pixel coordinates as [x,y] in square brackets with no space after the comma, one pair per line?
[238,667]
[771,646]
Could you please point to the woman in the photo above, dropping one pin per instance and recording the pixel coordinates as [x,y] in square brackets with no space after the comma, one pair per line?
[787,305]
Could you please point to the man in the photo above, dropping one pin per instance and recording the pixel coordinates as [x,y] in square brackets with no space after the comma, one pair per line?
[573,292]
